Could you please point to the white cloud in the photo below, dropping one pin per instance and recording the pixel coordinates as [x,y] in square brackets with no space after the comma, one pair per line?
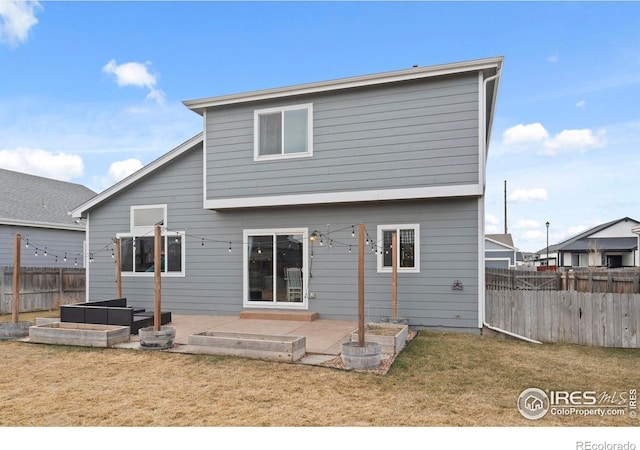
[117,171]
[60,166]
[528,195]
[136,74]
[581,104]
[532,235]
[534,135]
[571,140]
[16,19]
[524,134]
[491,224]
[572,231]
[553,58]
[526,224]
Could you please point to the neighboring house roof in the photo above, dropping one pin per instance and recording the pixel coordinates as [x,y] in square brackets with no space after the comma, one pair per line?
[80,209]
[504,239]
[584,242]
[34,201]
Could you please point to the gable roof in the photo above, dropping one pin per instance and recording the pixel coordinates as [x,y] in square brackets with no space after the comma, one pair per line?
[503,239]
[491,65]
[80,210]
[34,201]
[573,243]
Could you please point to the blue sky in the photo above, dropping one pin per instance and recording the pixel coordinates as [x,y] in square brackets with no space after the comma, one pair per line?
[91,91]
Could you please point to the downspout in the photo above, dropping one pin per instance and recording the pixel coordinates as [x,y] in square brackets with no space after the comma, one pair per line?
[485,143]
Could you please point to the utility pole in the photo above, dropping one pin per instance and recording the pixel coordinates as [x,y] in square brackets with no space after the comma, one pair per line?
[505,206]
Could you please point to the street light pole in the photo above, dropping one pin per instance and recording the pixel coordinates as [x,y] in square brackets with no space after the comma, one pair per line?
[547,224]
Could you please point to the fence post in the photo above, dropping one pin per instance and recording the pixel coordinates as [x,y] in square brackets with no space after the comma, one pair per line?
[2,288]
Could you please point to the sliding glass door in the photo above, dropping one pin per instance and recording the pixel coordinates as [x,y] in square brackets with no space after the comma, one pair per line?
[274,264]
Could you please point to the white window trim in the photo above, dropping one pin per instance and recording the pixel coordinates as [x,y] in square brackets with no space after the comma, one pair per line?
[246,303]
[416,256]
[165,235]
[256,132]
[144,229]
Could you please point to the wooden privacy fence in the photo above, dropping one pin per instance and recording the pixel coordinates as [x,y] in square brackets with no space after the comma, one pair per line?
[594,319]
[42,288]
[521,279]
[621,281]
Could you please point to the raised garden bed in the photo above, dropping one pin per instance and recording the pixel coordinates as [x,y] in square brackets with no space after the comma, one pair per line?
[258,346]
[80,334]
[392,337]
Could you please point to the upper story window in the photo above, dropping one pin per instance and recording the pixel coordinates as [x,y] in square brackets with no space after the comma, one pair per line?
[137,246]
[283,132]
[407,248]
[144,218]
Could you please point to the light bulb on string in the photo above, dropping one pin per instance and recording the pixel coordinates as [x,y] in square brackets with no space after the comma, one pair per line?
[65,257]
[26,245]
[45,251]
[229,247]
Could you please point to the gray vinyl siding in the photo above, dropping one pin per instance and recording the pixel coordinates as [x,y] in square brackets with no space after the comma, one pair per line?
[411,134]
[56,242]
[214,277]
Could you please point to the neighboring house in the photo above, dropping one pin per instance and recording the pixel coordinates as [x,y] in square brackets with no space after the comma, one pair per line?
[280,179]
[500,253]
[611,245]
[39,209]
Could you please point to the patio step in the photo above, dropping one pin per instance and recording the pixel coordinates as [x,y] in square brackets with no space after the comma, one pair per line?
[303,316]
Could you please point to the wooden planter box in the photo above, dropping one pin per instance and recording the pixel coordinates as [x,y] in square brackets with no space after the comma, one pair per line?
[258,346]
[392,337]
[81,334]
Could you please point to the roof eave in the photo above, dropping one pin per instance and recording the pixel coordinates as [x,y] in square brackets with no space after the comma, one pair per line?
[80,211]
[199,105]
[35,224]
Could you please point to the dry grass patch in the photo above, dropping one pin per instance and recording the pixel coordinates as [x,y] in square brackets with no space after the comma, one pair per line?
[440,379]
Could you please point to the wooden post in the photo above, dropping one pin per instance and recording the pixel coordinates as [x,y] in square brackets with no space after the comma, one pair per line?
[116,251]
[394,275]
[157,260]
[361,285]
[15,305]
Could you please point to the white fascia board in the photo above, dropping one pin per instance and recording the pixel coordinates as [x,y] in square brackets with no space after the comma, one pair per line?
[164,159]
[321,198]
[32,224]
[199,105]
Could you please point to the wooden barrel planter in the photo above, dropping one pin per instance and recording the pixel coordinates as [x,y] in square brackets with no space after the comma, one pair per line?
[150,339]
[10,330]
[361,358]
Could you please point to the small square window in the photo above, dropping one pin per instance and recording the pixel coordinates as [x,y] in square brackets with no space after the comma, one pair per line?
[407,248]
[283,132]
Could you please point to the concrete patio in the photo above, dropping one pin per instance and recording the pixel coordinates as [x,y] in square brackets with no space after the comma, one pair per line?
[323,337]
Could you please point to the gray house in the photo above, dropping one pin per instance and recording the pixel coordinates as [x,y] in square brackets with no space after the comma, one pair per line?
[38,209]
[260,210]
[500,253]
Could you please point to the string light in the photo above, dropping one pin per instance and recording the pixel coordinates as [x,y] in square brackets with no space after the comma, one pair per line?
[45,251]
[229,246]
[26,245]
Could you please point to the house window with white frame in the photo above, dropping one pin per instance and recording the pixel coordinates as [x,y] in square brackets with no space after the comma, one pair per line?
[407,248]
[137,253]
[283,132]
